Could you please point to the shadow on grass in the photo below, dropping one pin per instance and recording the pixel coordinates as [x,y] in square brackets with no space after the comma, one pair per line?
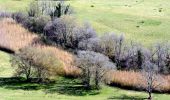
[126,97]
[61,85]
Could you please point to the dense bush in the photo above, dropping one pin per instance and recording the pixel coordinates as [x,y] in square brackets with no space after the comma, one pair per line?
[94,66]
[161,57]
[36,24]
[35,62]
[92,44]
[19,17]
[66,32]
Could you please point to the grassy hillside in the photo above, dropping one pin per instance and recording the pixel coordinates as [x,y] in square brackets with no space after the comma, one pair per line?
[14,5]
[145,21]
[63,89]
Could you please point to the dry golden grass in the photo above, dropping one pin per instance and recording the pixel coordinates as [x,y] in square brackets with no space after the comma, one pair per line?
[65,57]
[136,80]
[14,37]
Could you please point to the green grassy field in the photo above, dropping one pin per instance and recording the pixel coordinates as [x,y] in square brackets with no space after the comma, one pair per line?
[63,89]
[143,21]
[139,20]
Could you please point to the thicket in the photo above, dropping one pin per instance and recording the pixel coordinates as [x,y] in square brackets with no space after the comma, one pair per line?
[66,32]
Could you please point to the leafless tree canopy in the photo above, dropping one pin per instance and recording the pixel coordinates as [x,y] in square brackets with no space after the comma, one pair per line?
[94,66]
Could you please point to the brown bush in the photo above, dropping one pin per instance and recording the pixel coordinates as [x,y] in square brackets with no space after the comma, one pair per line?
[37,62]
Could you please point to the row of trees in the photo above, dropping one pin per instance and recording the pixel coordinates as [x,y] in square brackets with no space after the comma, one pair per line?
[66,32]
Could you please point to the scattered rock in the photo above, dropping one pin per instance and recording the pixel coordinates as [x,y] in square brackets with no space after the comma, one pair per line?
[137,26]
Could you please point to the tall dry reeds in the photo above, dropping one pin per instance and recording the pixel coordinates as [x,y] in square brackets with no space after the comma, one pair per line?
[136,80]
[13,36]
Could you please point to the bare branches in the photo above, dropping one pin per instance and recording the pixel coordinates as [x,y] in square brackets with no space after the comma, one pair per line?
[94,66]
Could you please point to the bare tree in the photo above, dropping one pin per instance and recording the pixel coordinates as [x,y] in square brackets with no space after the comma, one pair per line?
[112,47]
[151,77]
[94,66]
[22,63]
[35,62]
[160,57]
[134,56]
[61,9]
[67,33]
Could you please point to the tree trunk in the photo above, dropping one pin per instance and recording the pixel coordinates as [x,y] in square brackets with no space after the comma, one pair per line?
[88,79]
[150,96]
[97,79]
[27,78]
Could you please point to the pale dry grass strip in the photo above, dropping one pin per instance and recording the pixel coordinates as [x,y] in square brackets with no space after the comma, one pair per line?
[136,80]
[13,36]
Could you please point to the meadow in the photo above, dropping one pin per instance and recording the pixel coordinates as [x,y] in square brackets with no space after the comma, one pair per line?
[139,20]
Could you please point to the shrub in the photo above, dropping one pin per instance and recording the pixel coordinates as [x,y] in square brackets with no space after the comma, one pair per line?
[29,23]
[23,63]
[35,62]
[46,64]
[92,44]
[94,66]
[19,17]
[36,24]
[66,32]
[40,23]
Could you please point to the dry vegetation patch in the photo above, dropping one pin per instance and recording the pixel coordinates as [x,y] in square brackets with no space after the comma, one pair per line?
[14,37]
[135,80]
